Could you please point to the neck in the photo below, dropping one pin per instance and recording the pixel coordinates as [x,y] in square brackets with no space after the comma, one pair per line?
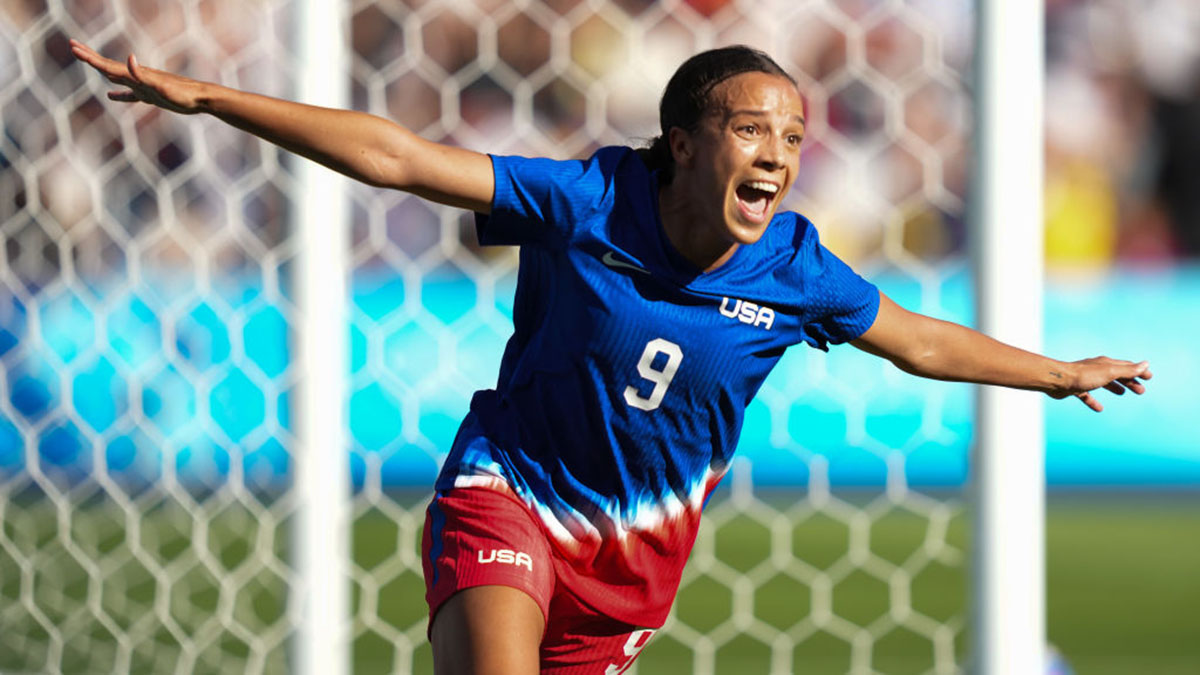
[690,232]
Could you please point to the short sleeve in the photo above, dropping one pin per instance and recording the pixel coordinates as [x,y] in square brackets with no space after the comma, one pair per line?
[842,305]
[542,201]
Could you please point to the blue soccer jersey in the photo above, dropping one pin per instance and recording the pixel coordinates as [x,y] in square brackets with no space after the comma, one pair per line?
[622,390]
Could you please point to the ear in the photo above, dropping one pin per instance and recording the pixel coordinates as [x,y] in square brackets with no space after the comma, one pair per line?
[681,145]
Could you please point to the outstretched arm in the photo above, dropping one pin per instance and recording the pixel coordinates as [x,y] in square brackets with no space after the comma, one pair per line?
[942,350]
[362,146]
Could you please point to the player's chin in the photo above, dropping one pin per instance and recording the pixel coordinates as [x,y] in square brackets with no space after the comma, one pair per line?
[743,235]
[747,231]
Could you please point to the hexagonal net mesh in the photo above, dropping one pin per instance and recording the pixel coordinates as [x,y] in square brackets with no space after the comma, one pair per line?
[146,313]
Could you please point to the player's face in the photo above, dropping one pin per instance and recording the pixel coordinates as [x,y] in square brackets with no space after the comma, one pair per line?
[747,152]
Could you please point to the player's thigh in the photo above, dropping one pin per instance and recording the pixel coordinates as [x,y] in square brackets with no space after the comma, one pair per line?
[489,577]
[487,630]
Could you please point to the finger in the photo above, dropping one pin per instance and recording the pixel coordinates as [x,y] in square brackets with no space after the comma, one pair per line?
[81,50]
[1133,385]
[125,95]
[135,70]
[1115,388]
[1140,369]
[1090,401]
[90,56]
[113,70]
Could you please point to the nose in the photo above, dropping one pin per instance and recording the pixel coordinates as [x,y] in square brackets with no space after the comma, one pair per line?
[772,154]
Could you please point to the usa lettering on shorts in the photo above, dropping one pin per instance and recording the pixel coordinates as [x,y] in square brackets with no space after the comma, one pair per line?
[506,557]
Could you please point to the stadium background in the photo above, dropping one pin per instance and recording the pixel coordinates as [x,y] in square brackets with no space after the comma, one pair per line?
[145,313]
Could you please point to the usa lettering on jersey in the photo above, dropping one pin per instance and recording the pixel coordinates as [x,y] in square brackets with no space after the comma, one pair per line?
[748,312]
[507,557]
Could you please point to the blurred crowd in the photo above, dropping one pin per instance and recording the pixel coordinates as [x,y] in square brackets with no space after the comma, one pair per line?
[1123,130]
[885,166]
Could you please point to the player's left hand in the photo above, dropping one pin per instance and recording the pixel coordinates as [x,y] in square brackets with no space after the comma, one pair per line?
[1102,372]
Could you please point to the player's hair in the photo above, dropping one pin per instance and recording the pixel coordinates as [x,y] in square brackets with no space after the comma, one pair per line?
[686,98]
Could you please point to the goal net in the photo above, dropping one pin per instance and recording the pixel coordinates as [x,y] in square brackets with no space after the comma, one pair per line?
[147,322]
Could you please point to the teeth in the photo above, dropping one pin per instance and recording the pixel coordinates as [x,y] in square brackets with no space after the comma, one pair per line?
[763,185]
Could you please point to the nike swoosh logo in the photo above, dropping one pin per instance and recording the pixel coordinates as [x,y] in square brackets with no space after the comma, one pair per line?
[611,260]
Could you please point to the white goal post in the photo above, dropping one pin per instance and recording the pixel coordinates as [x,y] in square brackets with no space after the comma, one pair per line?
[322,585]
[1008,590]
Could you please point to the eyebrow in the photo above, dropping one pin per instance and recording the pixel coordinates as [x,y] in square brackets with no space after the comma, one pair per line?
[763,113]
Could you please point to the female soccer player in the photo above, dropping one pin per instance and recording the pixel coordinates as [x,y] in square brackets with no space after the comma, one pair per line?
[657,288]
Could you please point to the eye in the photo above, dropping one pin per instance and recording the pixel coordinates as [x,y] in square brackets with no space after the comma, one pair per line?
[748,129]
[794,139]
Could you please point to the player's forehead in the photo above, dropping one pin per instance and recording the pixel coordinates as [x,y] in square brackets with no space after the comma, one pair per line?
[757,93]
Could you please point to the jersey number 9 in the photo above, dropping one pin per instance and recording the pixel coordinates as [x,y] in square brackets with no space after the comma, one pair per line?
[661,378]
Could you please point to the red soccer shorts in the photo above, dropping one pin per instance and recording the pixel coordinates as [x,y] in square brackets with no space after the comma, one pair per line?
[481,536]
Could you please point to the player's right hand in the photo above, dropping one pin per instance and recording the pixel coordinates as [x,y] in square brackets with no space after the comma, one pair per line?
[165,90]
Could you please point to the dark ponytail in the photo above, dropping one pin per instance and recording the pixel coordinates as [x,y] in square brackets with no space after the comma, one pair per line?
[657,157]
[686,98]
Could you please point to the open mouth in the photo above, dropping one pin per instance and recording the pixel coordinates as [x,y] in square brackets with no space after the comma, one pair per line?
[754,198]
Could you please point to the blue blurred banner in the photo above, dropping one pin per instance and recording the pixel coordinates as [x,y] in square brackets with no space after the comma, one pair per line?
[213,402]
